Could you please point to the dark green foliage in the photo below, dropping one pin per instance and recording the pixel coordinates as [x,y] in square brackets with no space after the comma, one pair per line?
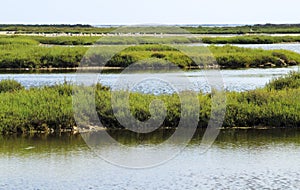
[292,81]
[9,85]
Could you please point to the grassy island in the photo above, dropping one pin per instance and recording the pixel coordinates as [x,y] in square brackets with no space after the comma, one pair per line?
[50,108]
[17,52]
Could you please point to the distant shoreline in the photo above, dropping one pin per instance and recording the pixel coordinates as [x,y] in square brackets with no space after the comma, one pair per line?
[65,34]
[151,29]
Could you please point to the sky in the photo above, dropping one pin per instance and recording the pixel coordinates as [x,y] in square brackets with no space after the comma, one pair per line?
[115,12]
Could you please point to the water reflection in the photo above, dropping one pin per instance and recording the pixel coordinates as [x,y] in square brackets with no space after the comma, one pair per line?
[22,145]
[239,159]
[66,142]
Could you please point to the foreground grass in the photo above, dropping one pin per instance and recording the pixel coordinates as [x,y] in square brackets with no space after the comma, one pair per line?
[50,108]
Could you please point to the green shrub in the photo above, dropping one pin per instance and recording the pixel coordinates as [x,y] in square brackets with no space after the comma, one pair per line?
[9,85]
[291,81]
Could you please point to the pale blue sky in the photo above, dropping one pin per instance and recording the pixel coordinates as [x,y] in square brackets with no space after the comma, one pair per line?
[150,11]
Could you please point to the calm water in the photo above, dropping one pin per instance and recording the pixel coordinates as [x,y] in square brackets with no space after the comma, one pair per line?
[234,80]
[240,159]
[293,47]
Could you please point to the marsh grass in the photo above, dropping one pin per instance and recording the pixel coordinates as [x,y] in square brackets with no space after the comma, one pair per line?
[49,109]
[35,57]
[19,52]
[255,39]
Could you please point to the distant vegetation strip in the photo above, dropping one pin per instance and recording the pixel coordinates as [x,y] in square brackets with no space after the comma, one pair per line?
[94,40]
[252,39]
[87,29]
[49,109]
[247,29]
[75,29]
[131,40]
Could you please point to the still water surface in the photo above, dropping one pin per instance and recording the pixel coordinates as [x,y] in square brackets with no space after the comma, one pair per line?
[239,159]
[234,80]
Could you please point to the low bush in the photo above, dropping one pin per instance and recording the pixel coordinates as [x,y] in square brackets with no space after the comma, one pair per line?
[292,81]
[9,85]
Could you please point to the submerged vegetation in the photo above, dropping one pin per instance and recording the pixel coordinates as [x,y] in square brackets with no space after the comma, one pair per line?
[50,108]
